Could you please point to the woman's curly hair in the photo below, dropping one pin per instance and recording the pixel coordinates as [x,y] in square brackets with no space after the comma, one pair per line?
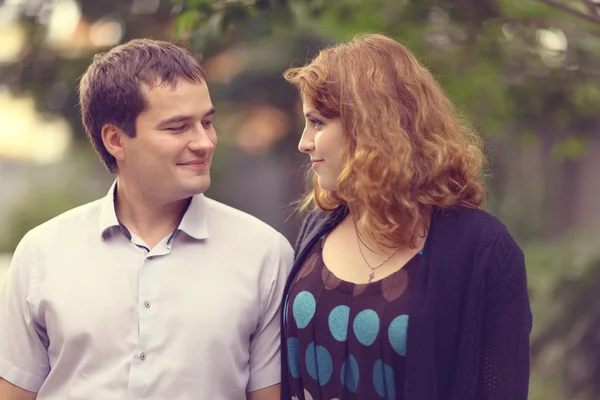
[406,149]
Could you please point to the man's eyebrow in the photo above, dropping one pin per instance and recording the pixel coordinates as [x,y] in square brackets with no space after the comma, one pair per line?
[182,118]
[174,119]
[210,112]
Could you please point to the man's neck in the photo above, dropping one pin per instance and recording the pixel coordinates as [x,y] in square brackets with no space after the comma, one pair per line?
[149,219]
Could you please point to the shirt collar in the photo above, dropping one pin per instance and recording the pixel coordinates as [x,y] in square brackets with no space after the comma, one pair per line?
[108,214]
[194,222]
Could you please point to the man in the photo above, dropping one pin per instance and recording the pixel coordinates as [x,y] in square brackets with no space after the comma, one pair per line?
[155,291]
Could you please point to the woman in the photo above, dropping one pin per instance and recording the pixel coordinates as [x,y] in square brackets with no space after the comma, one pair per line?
[402,287]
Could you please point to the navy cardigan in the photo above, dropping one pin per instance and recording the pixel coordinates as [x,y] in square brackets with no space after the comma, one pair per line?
[468,337]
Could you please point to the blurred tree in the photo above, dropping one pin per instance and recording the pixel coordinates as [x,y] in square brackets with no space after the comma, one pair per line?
[588,10]
[565,278]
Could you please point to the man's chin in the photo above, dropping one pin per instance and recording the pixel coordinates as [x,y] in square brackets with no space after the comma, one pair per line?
[194,188]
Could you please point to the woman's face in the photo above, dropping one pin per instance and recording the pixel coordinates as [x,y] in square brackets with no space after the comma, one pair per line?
[323,141]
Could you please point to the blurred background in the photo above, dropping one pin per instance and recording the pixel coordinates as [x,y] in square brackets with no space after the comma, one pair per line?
[526,72]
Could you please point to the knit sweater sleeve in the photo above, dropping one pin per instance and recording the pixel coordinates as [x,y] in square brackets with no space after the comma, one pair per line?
[504,373]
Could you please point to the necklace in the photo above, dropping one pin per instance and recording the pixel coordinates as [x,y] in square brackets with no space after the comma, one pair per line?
[372,274]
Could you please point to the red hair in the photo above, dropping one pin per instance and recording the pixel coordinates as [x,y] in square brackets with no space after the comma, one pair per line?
[406,149]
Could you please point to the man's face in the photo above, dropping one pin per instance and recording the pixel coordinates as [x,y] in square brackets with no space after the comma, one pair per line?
[170,157]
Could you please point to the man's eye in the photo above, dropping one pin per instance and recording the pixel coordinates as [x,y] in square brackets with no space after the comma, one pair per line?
[206,124]
[176,128]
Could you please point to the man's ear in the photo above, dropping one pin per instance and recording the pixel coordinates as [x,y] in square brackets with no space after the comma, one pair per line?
[112,137]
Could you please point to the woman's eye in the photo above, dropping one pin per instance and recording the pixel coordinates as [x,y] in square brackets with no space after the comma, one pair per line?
[316,123]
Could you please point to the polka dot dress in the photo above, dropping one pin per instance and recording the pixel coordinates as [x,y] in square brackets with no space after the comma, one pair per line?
[346,340]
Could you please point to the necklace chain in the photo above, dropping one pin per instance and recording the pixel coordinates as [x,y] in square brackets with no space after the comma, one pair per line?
[372,274]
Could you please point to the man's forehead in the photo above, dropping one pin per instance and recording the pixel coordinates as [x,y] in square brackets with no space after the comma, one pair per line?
[164,101]
[188,92]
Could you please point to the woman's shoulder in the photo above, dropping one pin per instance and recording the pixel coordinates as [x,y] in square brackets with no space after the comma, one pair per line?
[477,223]
[478,234]
[310,220]
[468,230]
[318,220]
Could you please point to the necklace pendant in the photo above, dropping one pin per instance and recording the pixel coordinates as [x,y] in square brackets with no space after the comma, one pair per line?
[371,276]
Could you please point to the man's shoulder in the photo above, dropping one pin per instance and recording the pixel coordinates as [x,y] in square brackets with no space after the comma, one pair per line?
[73,220]
[61,229]
[237,221]
[245,231]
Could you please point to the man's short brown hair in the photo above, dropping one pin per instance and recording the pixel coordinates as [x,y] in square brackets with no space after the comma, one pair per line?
[109,90]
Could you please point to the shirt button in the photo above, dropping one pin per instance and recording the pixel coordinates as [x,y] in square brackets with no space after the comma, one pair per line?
[147,304]
[143,356]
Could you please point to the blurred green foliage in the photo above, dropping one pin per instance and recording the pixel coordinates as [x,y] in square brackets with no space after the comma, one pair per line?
[564,286]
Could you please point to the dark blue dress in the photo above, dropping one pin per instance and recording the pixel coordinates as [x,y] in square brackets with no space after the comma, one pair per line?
[346,340]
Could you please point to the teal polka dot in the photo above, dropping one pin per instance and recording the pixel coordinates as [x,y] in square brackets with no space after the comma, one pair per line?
[304,309]
[350,374]
[366,327]
[338,322]
[293,348]
[319,363]
[383,380]
[397,334]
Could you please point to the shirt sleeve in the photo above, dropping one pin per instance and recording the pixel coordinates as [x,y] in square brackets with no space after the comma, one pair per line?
[265,358]
[504,373]
[23,353]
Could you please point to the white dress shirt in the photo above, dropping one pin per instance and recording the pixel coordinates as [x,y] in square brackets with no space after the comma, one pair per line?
[87,312]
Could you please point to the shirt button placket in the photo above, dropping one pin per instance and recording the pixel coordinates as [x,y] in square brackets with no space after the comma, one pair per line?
[141,370]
